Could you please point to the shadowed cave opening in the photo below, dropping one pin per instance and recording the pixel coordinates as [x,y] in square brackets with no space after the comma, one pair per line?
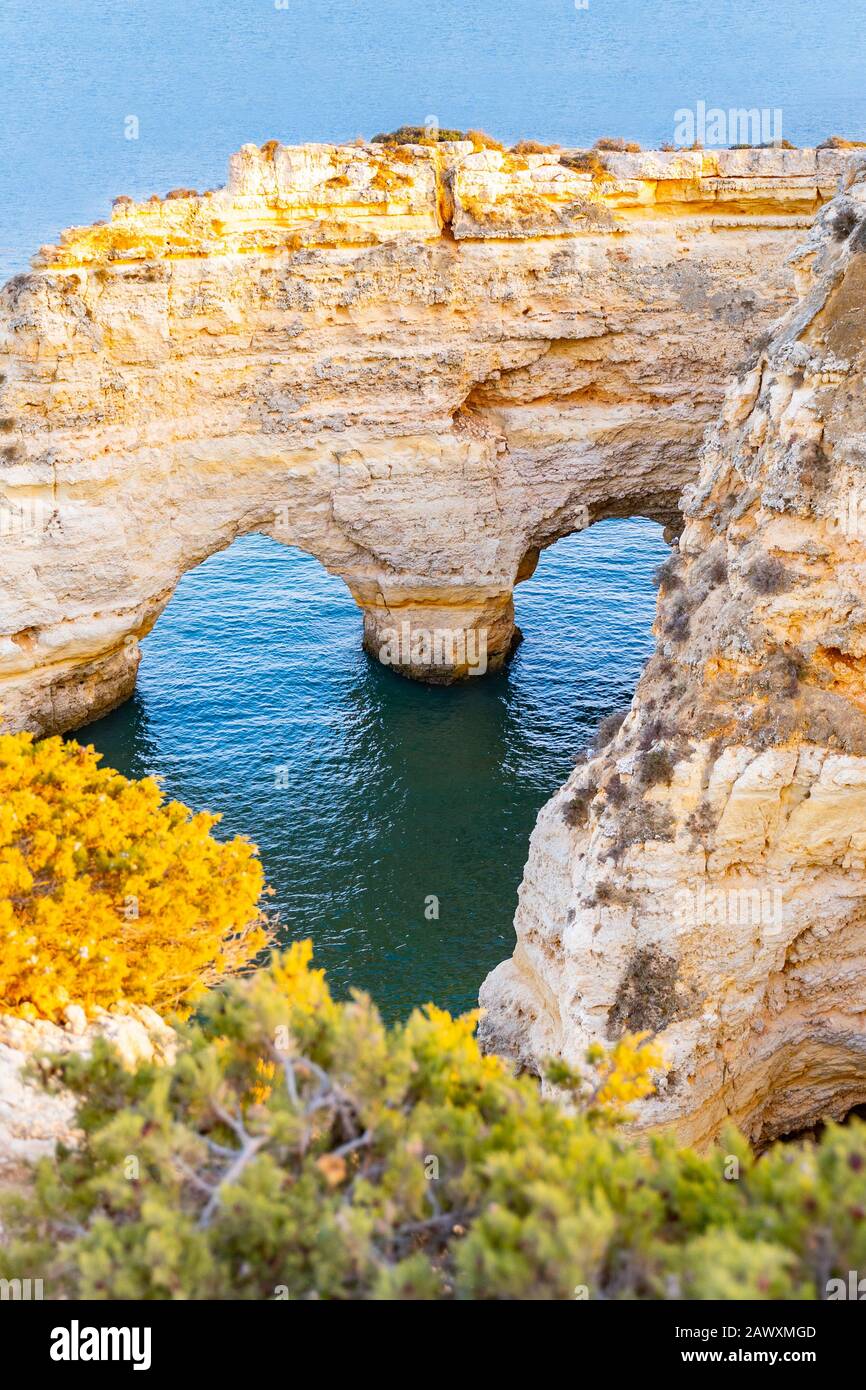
[393,818]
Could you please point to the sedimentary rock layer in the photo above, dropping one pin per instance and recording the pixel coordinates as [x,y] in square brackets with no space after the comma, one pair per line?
[701,875]
[420,364]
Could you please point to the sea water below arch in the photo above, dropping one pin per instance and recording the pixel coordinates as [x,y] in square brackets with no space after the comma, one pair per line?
[393,818]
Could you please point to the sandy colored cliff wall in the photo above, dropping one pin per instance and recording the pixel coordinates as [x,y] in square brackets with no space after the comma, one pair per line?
[419,364]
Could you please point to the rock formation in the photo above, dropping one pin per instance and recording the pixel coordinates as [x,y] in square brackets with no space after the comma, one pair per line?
[33,1119]
[702,874]
[419,364]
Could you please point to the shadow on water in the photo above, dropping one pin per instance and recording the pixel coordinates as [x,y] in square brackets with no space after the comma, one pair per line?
[369,795]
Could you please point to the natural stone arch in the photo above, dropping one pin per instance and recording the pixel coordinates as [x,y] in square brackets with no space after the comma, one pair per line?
[421,365]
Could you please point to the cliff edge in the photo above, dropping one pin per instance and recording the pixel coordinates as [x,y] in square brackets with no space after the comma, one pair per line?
[702,874]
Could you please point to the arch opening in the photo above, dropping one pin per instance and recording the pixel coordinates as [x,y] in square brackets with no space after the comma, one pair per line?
[407,808]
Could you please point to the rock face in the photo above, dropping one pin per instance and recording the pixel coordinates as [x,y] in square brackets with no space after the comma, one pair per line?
[702,875]
[32,1120]
[420,364]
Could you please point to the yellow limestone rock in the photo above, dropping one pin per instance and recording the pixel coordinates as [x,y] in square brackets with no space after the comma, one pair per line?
[703,873]
[32,1118]
[419,364]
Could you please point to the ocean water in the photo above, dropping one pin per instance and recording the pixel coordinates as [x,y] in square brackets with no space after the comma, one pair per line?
[369,795]
[394,794]
[202,77]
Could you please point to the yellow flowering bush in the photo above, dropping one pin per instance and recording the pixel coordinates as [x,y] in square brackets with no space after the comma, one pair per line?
[620,1075]
[108,892]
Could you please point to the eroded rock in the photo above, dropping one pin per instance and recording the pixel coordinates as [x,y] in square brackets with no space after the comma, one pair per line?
[421,365]
[726,818]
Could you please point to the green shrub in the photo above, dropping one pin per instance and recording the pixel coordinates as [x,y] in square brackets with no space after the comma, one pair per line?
[617,145]
[417,135]
[298,1148]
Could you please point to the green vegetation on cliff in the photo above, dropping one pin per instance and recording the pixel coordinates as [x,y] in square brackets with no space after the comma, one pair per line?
[300,1149]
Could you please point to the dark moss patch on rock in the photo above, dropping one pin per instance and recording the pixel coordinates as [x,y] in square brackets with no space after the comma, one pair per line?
[647,999]
[575,812]
[677,623]
[769,576]
[657,768]
[610,727]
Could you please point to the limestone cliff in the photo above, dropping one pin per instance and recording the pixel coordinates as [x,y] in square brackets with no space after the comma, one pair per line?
[702,874]
[420,364]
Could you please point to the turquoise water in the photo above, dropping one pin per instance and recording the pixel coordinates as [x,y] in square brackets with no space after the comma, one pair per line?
[395,793]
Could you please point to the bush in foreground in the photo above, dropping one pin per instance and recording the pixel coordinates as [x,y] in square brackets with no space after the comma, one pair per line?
[300,1149]
[110,893]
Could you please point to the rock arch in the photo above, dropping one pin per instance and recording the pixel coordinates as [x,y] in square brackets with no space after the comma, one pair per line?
[420,364]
